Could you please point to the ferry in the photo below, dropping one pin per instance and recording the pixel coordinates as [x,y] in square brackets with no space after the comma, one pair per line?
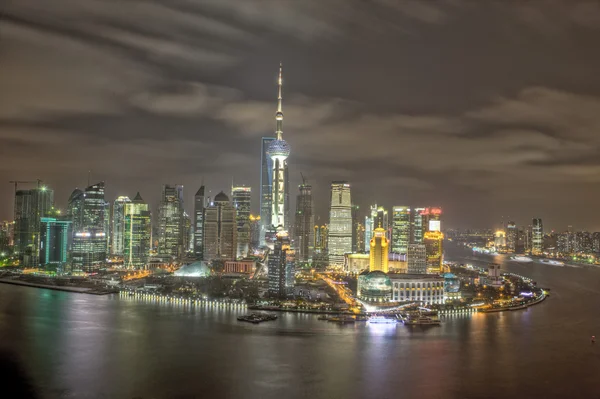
[522,259]
[381,320]
[552,262]
[256,318]
[342,319]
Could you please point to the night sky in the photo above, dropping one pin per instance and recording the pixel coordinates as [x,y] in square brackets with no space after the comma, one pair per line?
[486,108]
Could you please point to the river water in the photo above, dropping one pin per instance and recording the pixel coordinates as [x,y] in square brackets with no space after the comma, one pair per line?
[84,346]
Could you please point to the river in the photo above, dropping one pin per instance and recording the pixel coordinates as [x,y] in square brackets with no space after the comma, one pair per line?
[84,346]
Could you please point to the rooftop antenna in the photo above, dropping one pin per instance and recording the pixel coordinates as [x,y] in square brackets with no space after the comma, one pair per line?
[89,177]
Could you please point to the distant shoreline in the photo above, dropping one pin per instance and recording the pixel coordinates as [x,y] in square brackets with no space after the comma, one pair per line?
[77,290]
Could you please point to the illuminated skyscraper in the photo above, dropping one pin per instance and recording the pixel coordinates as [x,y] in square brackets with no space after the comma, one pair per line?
[340,223]
[416,258]
[511,237]
[281,267]
[279,151]
[255,226]
[89,240]
[400,229]
[418,225]
[379,253]
[55,241]
[241,197]
[537,237]
[433,241]
[356,230]
[266,185]
[220,230]
[198,224]
[171,222]
[303,230]
[118,224]
[137,233]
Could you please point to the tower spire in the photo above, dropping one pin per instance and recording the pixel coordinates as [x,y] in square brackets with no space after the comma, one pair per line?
[279,114]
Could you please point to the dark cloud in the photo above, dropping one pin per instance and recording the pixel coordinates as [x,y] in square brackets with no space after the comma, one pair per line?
[488,109]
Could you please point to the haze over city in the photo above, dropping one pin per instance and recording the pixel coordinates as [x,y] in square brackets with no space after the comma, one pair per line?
[487,109]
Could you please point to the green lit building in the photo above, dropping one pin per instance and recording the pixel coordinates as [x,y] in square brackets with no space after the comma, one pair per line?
[55,241]
[137,233]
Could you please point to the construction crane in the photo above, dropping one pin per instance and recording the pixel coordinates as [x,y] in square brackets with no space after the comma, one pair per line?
[303,179]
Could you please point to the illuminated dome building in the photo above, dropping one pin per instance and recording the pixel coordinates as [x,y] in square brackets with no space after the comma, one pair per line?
[195,269]
[374,286]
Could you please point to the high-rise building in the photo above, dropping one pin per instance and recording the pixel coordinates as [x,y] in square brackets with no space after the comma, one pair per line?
[281,267]
[255,226]
[400,229]
[303,230]
[356,230]
[416,258]
[171,222]
[433,241]
[30,207]
[55,241]
[137,233]
[198,227]
[432,219]
[340,223]
[107,225]
[188,233]
[359,232]
[87,210]
[118,224]
[379,253]
[500,239]
[511,237]
[266,183]
[537,237]
[241,197]
[279,151]
[220,229]
[418,225]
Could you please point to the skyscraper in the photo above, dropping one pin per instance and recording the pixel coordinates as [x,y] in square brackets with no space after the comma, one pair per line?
[266,183]
[379,253]
[281,267]
[340,223]
[137,233]
[537,237]
[87,210]
[416,258]
[255,226]
[511,237]
[118,220]
[418,225]
[220,230]
[55,241]
[433,241]
[30,207]
[170,222]
[303,231]
[279,151]
[400,229]
[198,223]
[241,197]
[355,229]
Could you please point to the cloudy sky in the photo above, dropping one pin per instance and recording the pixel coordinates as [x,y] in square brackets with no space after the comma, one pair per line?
[490,109]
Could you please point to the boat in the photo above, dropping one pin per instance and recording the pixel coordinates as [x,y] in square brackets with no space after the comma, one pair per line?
[342,319]
[552,262]
[381,320]
[256,318]
[521,259]
[422,321]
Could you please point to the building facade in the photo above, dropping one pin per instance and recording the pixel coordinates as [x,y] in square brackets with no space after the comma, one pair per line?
[198,222]
[379,251]
[433,241]
[266,185]
[511,237]
[55,241]
[417,259]
[137,233]
[89,236]
[281,267]
[220,230]
[426,289]
[118,224]
[171,222]
[241,197]
[303,228]
[30,207]
[340,223]
[400,229]
[537,237]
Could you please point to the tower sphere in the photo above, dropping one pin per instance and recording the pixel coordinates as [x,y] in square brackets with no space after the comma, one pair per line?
[279,149]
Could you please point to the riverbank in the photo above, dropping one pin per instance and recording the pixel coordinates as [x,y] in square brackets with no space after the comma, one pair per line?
[79,290]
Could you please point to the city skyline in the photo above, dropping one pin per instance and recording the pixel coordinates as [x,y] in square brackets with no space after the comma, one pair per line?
[455,132]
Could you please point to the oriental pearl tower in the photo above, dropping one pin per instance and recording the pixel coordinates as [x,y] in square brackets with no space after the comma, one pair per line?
[279,151]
